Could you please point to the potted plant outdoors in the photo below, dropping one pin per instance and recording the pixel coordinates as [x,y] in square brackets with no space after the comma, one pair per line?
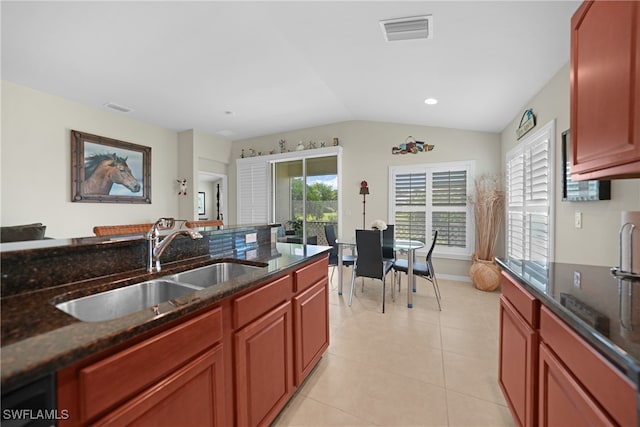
[488,208]
[296,225]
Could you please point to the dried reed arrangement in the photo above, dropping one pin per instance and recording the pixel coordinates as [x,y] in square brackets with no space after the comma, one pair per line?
[488,206]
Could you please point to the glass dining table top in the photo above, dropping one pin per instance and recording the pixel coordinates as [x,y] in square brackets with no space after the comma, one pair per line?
[400,244]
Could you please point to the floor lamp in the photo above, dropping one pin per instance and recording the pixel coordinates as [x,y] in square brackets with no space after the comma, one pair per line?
[364,190]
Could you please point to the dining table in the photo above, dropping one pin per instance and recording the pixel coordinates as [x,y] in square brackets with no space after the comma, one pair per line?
[400,245]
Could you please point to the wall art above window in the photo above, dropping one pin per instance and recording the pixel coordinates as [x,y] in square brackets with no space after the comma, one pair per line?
[412,146]
[105,170]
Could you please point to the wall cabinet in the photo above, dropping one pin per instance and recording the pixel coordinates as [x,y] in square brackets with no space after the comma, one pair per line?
[605,90]
[175,377]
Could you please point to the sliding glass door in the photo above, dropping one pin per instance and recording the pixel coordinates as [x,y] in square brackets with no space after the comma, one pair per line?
[305,197]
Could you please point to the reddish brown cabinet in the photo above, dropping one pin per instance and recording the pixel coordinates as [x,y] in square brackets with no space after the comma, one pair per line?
[518,363]
[162,376]
[572,372]
[311,314]
[236,364]
[605,90]
[550,375]
[264,366]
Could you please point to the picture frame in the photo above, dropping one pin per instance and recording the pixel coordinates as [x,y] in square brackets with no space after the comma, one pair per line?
[201,205]
[106,170]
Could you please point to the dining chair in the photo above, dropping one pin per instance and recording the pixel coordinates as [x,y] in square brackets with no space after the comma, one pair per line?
[388,237]
[369,261]
[423,270]
[347,260]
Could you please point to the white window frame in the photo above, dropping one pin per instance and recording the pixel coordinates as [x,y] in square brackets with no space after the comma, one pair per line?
[429,168]
[522,204]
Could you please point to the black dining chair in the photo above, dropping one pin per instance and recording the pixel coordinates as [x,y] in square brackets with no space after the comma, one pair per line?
[347,260]
[388,237]
[423,270]
[369,261]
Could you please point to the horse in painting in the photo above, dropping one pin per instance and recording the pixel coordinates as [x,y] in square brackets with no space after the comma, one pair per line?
[101,171]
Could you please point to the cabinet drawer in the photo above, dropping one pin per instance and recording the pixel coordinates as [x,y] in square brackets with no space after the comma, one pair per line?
[108,381]
[613,391]
[255,303]
[311,274]
[525,303]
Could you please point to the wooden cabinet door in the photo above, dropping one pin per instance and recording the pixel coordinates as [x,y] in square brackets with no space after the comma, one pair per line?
[264,367]
[605,115]
[311,314]
[562,401]
[517,373]
[192,396]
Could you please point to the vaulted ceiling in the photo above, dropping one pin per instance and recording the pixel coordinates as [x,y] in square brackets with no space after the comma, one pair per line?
[241,69]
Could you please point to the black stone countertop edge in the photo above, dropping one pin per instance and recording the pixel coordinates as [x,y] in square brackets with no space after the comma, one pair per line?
[64,340]
[627,364]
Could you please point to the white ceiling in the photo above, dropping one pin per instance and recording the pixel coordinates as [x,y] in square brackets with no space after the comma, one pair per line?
[279,66]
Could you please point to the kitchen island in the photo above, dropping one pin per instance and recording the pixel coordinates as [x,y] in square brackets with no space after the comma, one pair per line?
[205,329]
[569,344]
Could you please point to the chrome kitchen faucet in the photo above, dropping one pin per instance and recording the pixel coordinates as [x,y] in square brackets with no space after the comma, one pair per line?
[157,247]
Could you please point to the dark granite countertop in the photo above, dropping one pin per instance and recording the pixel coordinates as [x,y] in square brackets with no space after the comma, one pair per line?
[38,339]
[601,308]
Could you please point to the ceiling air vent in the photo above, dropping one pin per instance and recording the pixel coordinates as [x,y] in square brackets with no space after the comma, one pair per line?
[415,27]
[118,107]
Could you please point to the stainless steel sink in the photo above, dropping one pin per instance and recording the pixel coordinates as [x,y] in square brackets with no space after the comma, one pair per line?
[213,274]
[129,299]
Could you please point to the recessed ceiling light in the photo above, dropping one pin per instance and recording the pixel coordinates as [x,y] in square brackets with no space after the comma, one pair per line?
[431,101]
[229,113]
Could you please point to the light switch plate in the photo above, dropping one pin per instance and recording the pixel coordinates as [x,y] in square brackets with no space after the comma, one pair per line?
[577,279]
[578,219]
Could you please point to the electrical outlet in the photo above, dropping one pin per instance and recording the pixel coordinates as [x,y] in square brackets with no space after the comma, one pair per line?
[578,219]
[251,237]
[577,283]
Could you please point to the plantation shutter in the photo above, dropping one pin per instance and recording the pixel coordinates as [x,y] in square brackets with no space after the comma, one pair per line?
[429,197]
[529,202]
[449,202]
[410,205]
[253,191]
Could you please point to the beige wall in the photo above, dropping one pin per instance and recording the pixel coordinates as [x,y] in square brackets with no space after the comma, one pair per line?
[596,243]
[367,156]
[36,160]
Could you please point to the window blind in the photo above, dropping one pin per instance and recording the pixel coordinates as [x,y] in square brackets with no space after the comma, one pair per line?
[432,197]
[253,192]
[529,184]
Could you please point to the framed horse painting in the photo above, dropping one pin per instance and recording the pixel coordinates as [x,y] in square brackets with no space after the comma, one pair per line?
[105,170]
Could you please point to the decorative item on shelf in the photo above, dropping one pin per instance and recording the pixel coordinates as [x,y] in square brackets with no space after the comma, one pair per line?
[412,146]
[252,152]
[283,145]
[379,224]
[300,146]
[312,145]
[336,142]
[323,144]
[242,156]
[182,191]
[527,122]
[488,208]
[364,190]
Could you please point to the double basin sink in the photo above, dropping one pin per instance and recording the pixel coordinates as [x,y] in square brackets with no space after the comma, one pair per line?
[116,303]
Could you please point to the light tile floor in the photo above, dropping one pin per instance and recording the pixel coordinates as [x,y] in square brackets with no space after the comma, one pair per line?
[407,367]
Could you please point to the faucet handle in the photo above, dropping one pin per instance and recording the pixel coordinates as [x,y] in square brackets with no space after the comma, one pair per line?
[165,223]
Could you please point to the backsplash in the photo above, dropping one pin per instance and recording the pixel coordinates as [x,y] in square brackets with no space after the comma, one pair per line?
[26,268]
